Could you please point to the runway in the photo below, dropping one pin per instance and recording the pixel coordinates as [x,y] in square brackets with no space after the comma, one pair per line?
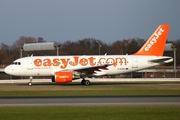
[92,101]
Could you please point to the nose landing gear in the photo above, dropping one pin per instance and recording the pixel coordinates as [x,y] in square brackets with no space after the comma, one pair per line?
[30,82]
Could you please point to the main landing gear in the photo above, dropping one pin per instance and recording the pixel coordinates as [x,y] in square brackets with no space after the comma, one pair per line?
[30,82]
[85,82]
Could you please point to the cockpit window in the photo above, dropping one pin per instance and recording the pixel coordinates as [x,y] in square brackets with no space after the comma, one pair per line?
[16,63]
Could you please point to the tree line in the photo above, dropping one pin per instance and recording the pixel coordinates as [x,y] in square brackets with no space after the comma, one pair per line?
[87,46]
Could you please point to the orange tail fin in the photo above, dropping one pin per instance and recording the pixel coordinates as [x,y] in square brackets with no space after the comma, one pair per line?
[156,43]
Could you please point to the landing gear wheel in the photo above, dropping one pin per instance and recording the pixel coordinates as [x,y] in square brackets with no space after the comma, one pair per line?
[87,82]
[30,83]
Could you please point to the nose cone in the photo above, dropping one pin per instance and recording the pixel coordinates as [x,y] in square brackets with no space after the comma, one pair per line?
[8,70]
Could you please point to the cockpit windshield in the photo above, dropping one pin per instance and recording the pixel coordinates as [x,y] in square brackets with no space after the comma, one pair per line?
[16,63]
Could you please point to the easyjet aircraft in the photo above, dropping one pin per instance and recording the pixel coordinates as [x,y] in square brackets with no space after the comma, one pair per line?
[64,69]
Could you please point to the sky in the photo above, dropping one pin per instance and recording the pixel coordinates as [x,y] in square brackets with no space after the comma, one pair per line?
[105,20]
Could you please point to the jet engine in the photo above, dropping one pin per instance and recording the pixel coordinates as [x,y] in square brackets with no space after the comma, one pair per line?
[64,77]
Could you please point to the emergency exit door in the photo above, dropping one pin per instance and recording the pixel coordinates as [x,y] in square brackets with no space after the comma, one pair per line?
[134,62]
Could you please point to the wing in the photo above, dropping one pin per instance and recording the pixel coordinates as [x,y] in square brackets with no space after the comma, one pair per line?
[86,70]
[92,69]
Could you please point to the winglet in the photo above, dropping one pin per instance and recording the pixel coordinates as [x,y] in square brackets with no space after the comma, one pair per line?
[156,43]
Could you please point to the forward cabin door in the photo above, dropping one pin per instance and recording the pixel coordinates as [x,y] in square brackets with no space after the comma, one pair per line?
[29,63]
[134,62]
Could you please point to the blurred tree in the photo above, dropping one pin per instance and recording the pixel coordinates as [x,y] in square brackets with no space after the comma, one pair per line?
[18,44]
[40,40]
[118,47]
[22,40]
[67,48]
[132,46]
[5,51]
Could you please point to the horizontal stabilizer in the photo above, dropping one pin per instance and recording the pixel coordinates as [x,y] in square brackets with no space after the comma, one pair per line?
[160,60]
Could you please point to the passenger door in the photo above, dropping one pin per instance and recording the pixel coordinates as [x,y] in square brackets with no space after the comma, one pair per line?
[134,62]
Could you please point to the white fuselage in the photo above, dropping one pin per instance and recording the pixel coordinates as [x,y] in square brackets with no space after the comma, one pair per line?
[48,65]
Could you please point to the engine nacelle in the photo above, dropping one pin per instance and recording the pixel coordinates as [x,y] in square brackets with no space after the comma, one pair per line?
[63,77]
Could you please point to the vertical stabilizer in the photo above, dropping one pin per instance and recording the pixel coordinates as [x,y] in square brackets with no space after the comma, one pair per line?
[156,43]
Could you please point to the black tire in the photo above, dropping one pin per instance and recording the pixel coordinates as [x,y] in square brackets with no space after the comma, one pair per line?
[87,82]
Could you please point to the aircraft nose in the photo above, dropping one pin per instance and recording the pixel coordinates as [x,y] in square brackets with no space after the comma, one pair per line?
[7,70]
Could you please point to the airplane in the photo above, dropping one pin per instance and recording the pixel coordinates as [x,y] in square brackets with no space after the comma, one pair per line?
[64,69]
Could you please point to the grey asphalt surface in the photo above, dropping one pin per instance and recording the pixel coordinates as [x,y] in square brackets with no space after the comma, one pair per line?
[92,101]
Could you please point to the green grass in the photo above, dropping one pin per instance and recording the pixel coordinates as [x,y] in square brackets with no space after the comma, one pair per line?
[18,90]
[88,93]
[91,113]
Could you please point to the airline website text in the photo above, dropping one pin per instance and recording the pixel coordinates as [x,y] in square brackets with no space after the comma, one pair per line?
[76,60]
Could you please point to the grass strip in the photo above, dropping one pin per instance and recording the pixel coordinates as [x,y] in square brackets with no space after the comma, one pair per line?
[91,112]
[89,93]
[16,90]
